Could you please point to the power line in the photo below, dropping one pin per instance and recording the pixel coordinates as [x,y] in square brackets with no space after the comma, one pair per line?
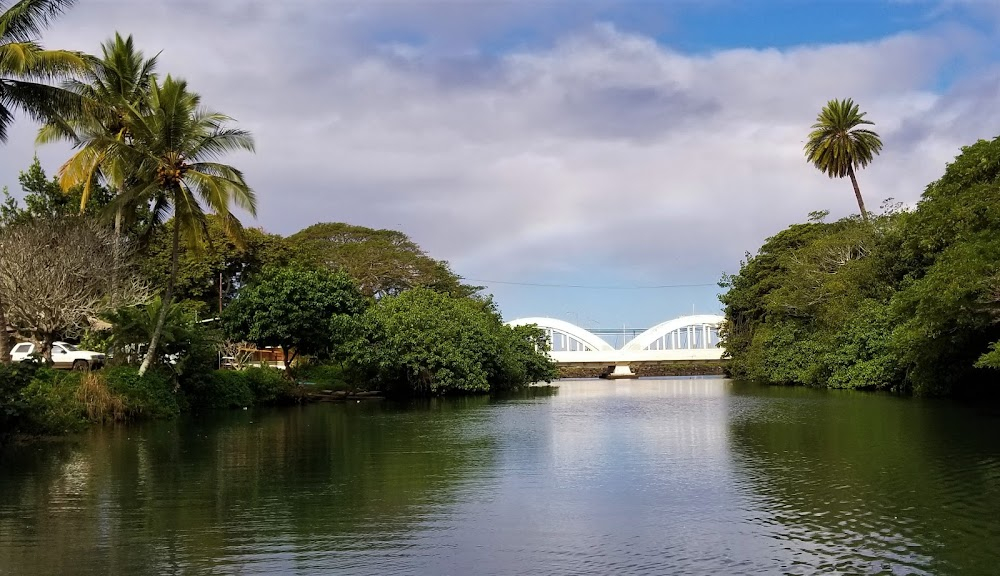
[585,287]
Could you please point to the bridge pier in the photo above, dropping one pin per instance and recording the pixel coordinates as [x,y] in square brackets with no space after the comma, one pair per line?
[621,370]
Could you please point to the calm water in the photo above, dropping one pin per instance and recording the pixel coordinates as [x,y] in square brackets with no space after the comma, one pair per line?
[686,476]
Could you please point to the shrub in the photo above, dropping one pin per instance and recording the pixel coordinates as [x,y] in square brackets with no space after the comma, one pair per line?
[14,378]
[324,375]
[149,396]
[222,389]
[267,385]
[424,343]
[99,402]
[50,403]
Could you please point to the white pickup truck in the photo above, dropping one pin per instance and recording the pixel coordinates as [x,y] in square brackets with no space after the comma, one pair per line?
[63,356]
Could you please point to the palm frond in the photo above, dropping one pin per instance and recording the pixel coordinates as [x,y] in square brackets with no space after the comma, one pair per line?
[25,20]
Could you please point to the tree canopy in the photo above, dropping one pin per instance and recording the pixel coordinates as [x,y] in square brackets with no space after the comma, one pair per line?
[25,66]
[304,311]
[199,268]
[426,343]
[910,301]
[838,145]
[383,262]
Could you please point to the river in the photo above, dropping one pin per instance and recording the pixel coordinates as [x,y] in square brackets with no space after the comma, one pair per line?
[671,476]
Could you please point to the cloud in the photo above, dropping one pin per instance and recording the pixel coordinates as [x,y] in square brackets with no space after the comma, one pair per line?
[600,150]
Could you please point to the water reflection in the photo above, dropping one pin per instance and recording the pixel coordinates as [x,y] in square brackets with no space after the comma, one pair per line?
[855,483]
[697,475]
[241,490]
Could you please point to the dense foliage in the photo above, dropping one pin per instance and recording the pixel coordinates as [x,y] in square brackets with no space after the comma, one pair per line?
[427,343]
[213,272]
[909,301]
[301,311]
[382,262]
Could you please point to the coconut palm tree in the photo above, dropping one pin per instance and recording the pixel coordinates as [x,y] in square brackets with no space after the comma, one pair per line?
[109,90]
[112,86]
[838,147]
[170,160]
[25,66]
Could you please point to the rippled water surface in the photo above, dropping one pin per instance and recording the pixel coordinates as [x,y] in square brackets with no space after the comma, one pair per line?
[685,476]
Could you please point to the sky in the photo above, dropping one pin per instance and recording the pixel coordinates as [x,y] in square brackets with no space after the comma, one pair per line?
[603,162]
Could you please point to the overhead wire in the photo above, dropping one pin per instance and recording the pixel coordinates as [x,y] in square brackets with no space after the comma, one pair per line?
[589,287]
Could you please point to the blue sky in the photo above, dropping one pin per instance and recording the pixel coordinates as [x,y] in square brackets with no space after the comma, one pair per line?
[601,143]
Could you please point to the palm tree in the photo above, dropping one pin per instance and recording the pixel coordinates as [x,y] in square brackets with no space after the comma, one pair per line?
[110,89]
[170,159]
[837,146]
[24,65]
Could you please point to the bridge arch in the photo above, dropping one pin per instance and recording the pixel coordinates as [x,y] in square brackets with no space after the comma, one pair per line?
[576,339]
[687,332]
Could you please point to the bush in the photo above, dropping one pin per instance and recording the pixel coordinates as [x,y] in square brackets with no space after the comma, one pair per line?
[14,378]
[149,396]
[267,385]
[323,375]
[50,403]
[219,389]
[424,343]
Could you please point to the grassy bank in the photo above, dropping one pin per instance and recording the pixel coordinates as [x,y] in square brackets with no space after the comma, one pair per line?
[40,401]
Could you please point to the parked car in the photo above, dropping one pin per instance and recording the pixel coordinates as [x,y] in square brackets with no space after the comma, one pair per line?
[64,355]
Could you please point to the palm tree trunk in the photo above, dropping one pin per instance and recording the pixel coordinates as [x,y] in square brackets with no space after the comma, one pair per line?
[857,193]
[168,293]
[116,256]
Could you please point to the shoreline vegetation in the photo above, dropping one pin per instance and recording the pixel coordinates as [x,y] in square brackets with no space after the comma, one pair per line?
[907,300]
[147,263]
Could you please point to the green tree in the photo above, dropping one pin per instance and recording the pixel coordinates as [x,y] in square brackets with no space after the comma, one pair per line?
[308,312]
[422,343]
[111,87]
[170,158]
[189,347]
[948,303]
[25,66]
[383,262]
[44,198]
[212,275]
[838,147]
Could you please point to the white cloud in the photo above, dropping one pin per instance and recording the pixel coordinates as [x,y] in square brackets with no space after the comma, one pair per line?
[603,149]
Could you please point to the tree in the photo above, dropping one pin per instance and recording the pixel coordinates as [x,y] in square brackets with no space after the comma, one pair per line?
[170,159]
[383,262]
[309,312]
[43,198]
[112,87]
[838,147]
[24,65]
[212,275]
[55,278]
[422,342]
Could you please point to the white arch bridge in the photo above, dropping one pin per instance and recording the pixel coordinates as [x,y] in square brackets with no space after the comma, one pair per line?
[688,338]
